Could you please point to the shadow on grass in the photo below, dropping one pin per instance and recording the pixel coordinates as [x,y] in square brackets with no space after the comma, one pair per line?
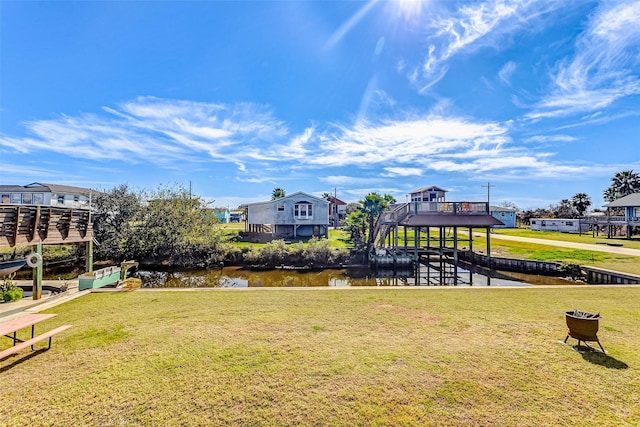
[18,360]
[599,358]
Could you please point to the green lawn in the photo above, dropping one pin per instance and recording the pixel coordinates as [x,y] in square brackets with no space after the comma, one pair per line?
[569,237]
[335,357]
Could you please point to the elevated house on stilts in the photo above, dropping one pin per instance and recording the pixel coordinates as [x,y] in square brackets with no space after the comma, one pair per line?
[433,232]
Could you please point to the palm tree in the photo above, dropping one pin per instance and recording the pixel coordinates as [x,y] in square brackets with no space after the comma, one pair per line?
[581,202]
[356,223]
[277,193]
[622,184]
[609,194]
[373,205]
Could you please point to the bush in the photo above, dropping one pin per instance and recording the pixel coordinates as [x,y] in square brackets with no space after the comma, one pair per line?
[317,253]
[9,291]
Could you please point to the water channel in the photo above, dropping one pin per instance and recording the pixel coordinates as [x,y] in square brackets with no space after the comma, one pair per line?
[434,275]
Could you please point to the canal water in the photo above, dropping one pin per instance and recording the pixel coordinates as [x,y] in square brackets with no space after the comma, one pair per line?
[238,277]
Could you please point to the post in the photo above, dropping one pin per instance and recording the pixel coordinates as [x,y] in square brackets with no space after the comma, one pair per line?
[489,246]
[455,245]
[488,196]
[37,275]
[89,256]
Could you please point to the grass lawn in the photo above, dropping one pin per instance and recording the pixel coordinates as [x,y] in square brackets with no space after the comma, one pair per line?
[332,357]
[523,250]
[568,237]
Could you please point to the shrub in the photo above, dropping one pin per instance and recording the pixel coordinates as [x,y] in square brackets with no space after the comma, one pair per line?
[9,291]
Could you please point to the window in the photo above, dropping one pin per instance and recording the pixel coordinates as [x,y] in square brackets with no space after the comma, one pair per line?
[281,208]
[570,223]
[16,198]
[38,198]
[27,198]
[61,199]
[76,198]
[6,198]
[302,210]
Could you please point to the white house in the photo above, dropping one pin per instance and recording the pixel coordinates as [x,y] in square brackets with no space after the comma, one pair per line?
[564,225]
[63,196]
[296,215]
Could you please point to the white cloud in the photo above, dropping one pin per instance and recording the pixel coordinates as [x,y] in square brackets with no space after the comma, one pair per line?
[400,171]
[159,131]
[405,141]
[550,138]
[604,67]
[506,72]
[477,25]
[344,180]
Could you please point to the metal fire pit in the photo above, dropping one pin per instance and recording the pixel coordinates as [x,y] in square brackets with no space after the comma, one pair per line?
[583,327]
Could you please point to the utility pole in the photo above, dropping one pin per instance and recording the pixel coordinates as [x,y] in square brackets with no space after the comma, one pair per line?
[488,195]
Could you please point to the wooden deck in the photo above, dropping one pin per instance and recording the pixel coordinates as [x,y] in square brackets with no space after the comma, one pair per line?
[23,225]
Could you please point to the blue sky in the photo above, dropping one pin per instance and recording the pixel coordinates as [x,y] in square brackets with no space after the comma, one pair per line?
[540,98]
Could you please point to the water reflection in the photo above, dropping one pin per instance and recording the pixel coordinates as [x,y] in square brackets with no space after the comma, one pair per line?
[425,275]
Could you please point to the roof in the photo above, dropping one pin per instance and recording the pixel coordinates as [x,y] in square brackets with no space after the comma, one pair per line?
[632,200]
[47,188]
[429,188]
[501,209]
[336,201]
[289,196]
[450,221]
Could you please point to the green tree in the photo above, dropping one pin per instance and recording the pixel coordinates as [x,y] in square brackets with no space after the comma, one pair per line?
[351,207]
[623,183]
[372,206]
[356,224]
[277,193]
[116,219]
[563,210]
[179,227]
[167,224]
[581,202]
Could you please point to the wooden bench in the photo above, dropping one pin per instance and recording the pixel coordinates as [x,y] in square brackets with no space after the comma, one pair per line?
[10,329]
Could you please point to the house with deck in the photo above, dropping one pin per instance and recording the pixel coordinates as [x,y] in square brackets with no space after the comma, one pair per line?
[294,216]
[623,212]
[53,195]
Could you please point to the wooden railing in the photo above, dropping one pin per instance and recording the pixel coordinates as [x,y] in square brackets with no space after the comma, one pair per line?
[398,212]
[614,220]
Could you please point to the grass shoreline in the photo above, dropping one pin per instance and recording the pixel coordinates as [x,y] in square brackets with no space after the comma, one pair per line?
[365,357]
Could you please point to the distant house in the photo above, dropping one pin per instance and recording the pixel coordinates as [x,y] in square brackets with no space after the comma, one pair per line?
[428,194]
[296,215]
[631,206]
[236,216]
[504,214]
[564,225]
[337,208]
[223,215]
[55,195]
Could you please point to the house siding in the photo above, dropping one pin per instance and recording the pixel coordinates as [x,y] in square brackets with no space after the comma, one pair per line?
[284,222]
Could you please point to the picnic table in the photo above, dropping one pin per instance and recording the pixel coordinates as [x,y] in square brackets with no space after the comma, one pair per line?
[10,329]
